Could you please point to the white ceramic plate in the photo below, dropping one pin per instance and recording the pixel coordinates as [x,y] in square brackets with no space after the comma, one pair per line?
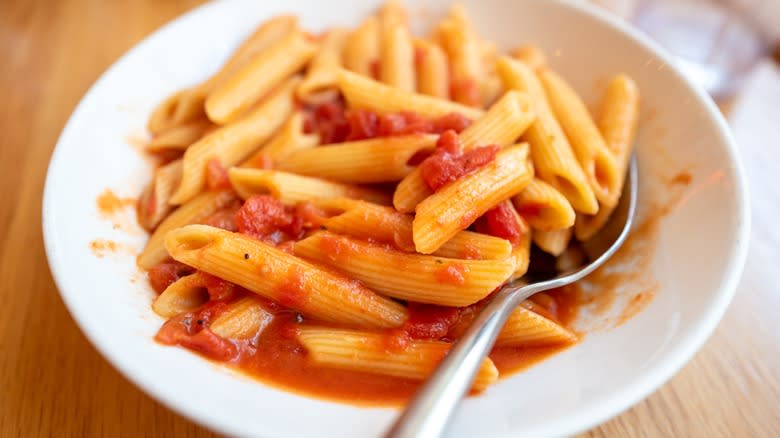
[699,260]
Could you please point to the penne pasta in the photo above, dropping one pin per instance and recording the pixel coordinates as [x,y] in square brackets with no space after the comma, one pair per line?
[197,209]
[544,207]
[288,139]
[617,123]
[364,161]
[504,122]
[232,97]
[373,353]
[281,277]
[396,64]
[412,277]
[184,295]
[586,141]
[233,143]
[365,93]
[553,242]
[322,74]
[432,70]
[463,50]
[153,205]
[291,188]
[525,328]
[383,224]
[521,251]
[457,205]
[243,319]
[361,50]
[180,137]
[530,55]
[552,154]
[188,104]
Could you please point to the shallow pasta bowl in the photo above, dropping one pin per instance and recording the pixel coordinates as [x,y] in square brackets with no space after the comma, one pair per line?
[689,172]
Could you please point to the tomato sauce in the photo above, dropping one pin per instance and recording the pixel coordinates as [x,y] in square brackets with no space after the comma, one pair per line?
[500,221]
[449,163]
[335,124]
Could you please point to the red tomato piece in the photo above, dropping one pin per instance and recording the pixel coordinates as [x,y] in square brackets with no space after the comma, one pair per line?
[500,221]
[429,321]
[164,274]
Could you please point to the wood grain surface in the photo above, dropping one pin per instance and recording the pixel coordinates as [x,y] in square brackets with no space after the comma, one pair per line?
[53,383]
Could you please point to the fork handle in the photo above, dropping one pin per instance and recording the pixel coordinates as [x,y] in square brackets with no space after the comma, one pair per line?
[429,411]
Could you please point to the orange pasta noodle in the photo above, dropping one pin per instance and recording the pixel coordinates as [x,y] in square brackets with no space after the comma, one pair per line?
[369,353]
[291,188]
[457,205]
[153,204]
[288,139]
[361,50]
[281,277]
[234,142]
[544,207]
[235,95]
[595,158]
[552,154]
[459,41]
[374,160]
[321,76]
[197,209]
[383,224]
[365,93]
[617,123]
[412,277]
[189,104]
[504,122]
[432,70]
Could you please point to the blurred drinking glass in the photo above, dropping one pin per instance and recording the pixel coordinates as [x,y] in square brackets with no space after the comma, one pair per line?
[716,42]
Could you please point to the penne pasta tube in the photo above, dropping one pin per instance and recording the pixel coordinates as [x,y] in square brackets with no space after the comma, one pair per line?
[180,137]
[188,104]
[393,12]
[526,328]
[463,50]
[243,319]
[234,142]
[322,74]
[153,204]
[412,277]
[366,93]
[552,154]
[553,242]
[361,50]
[374,353]
[531,55]
[197,209]
[521,251]
[383,224]
[291,189]
[457,205]
[232,97]
[396,65]
[375,160]
[432,69]
[586,141]
[544,207]
[288,139]
[281,277]
[617,123]
[504,122]
[183,295]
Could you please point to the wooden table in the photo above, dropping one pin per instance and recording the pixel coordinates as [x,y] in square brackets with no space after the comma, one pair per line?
[52,382]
